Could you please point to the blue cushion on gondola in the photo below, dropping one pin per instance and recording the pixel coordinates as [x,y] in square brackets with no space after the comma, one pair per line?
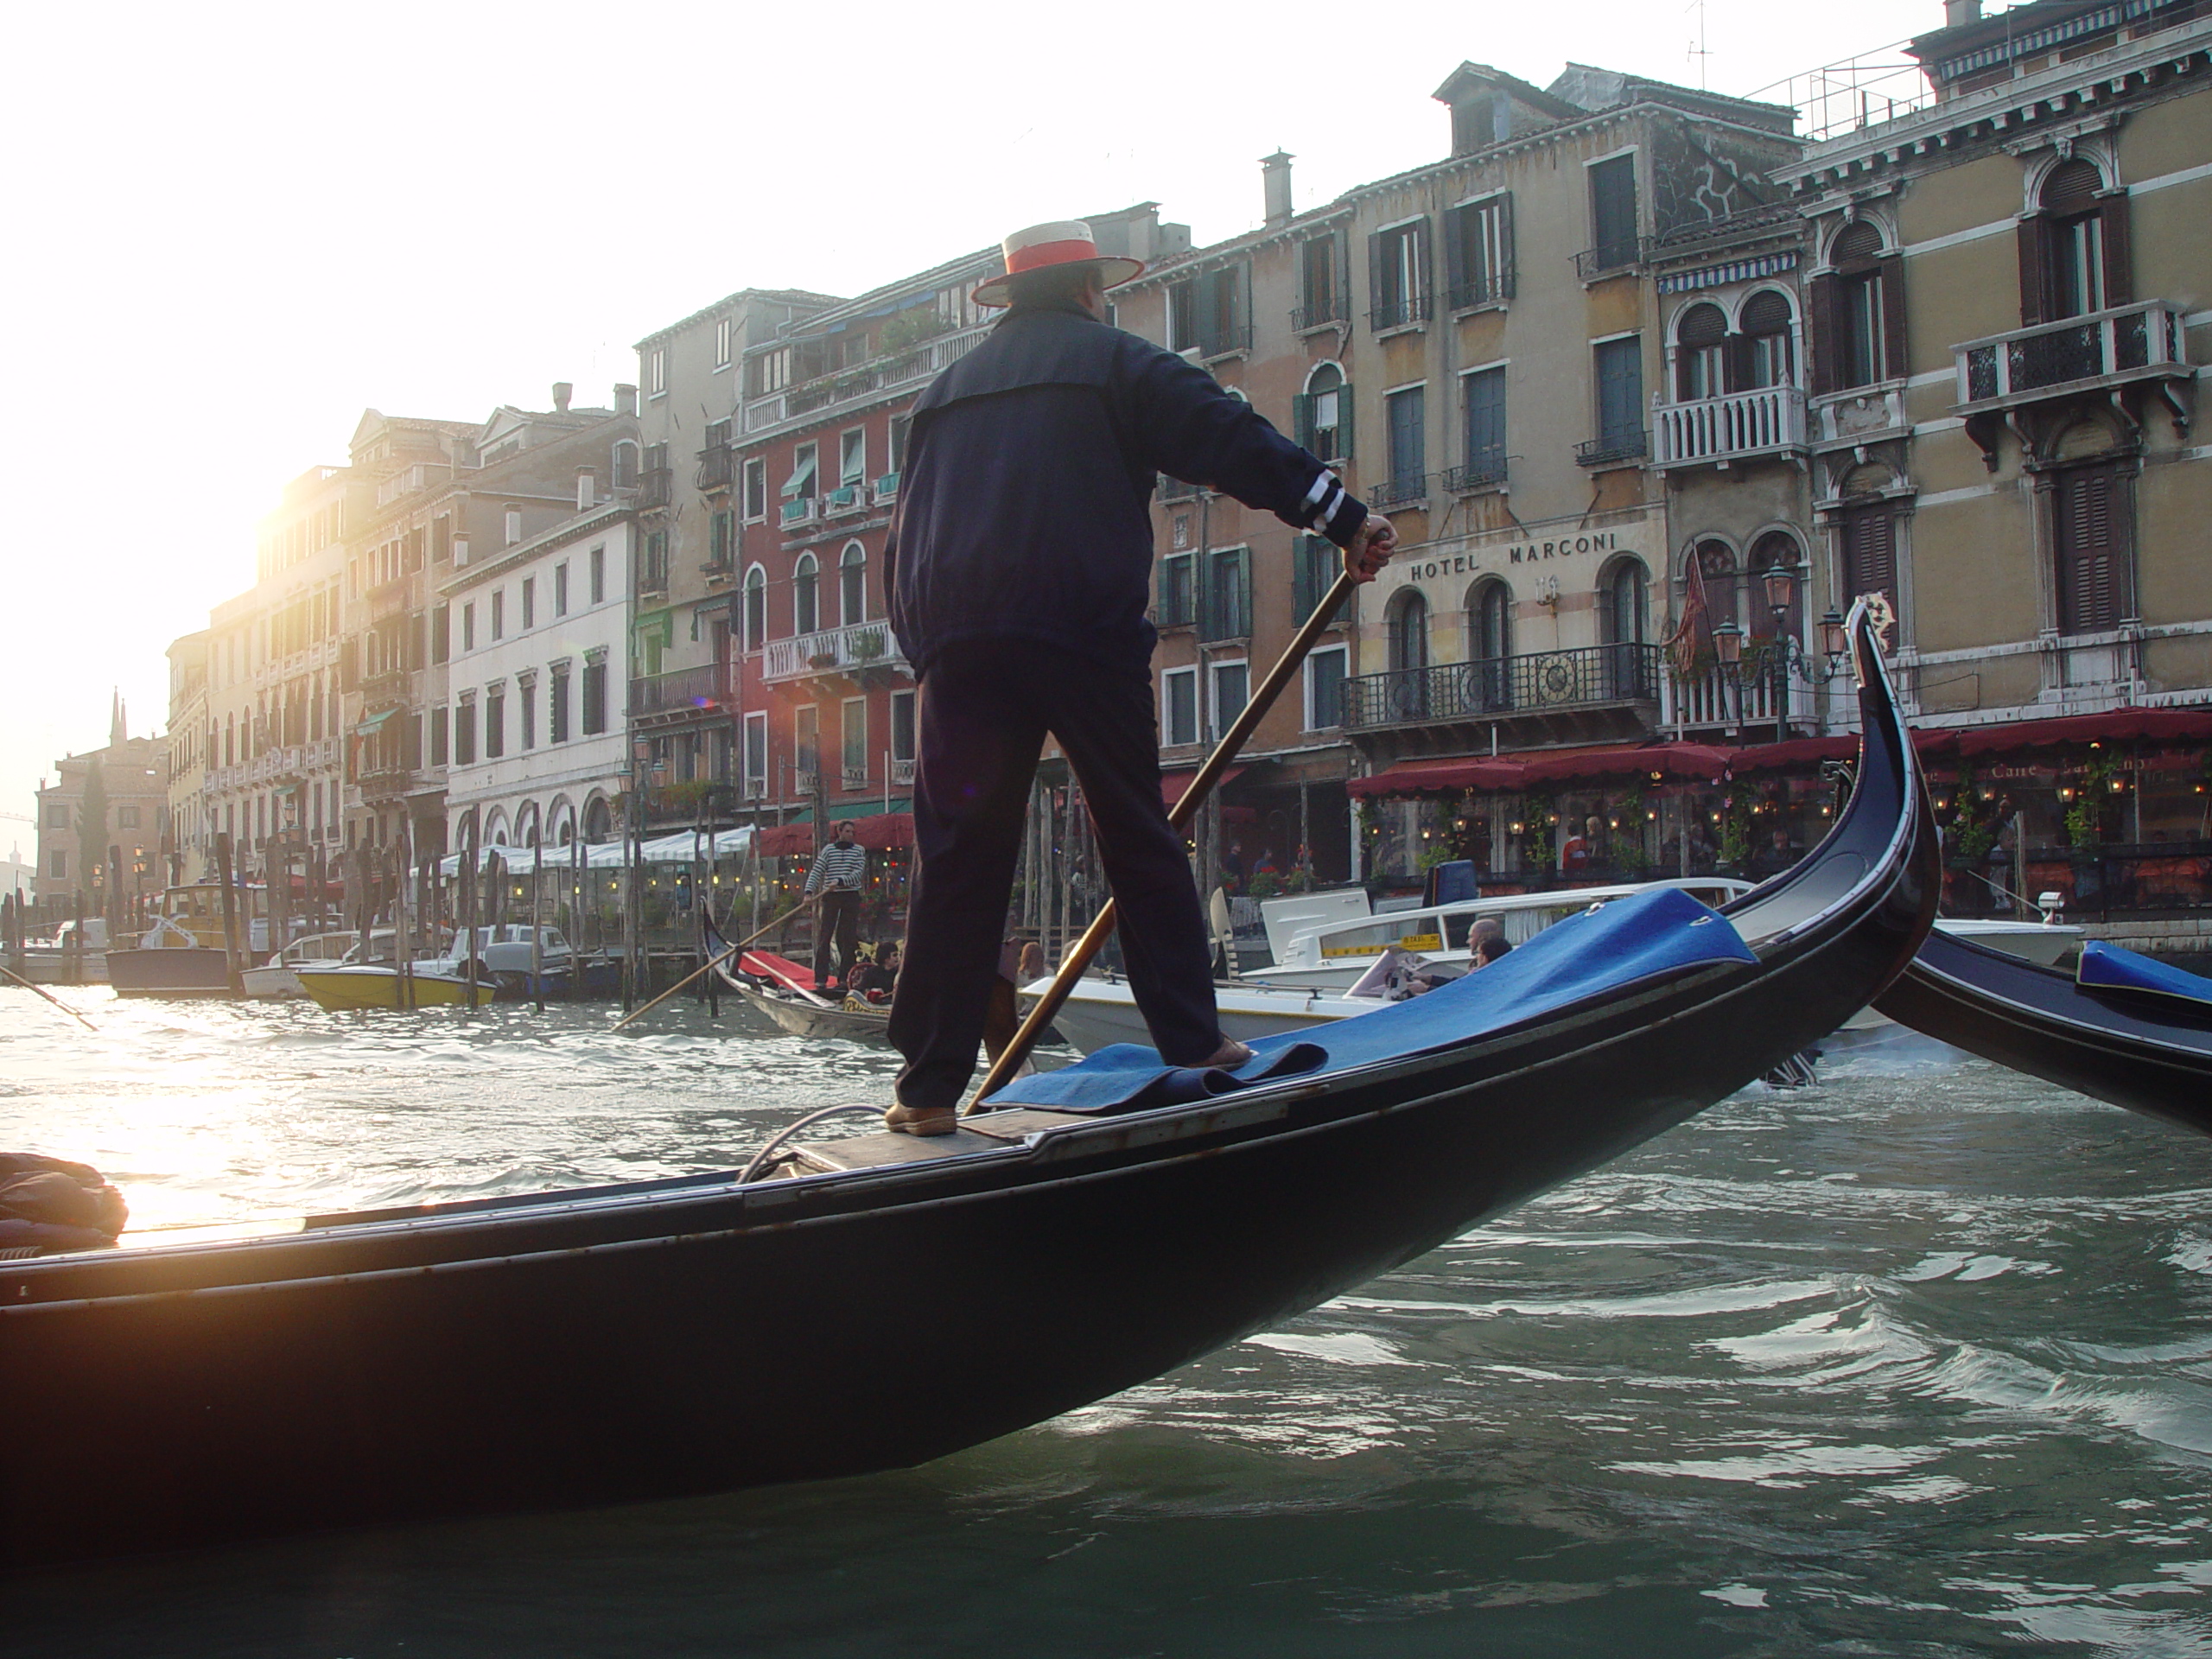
[1646,936]
[2107,967]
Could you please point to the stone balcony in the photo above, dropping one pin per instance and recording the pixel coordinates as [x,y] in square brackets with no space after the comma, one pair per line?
[831,650]
[1768,422]
[2126,343]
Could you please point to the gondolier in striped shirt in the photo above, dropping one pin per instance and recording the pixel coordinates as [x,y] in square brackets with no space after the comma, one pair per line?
[1021,572]
[833,884]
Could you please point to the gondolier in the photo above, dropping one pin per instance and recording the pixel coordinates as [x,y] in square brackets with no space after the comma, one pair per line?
[1021,570]
[833,884]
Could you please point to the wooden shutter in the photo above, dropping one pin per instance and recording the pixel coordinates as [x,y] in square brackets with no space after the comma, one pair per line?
[2119,263]
[1896,365]
[1870,550]
[1458,269]
[1820,307]
[1377,295]
[2090,547]
[1620,390]
[1343,423]
[1418,300]
[1503,274]
[1612,210]
[1301,420]
[2034,304]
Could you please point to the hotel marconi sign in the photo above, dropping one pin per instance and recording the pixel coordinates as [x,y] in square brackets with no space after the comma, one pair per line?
[1529,560]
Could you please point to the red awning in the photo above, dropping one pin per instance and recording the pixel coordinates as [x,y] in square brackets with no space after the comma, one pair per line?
[1695,762]
[1173,783]
[786,840]
[1421,777]
[884,831]
[2121,725]
[1798,752]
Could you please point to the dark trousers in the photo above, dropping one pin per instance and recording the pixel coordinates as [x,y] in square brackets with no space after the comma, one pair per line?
[837,920]
[984,710]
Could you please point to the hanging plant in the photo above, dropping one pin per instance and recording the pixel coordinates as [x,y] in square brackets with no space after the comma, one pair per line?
[1736,830]
[2085,816]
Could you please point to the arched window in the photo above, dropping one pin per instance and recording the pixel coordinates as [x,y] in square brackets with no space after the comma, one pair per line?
[807,603]
[1768,355]
[852,584]
[1700,352]
[1625,614]
[1712,589]
[756,609]
[625,465]
[598,820]
[495,829]
[1323,412]
[1408,632]
[2073,237]
[1866,306]
[1776,550]
[1489,642]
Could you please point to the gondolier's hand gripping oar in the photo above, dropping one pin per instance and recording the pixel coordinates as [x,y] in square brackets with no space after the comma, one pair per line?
[638,1012]
[1366,556]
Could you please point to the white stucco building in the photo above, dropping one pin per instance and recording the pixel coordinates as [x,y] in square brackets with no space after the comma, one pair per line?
[537,680]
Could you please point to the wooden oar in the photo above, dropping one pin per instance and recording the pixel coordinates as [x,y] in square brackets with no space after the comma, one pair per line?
[50,997]
[1095,936]
[638,1012]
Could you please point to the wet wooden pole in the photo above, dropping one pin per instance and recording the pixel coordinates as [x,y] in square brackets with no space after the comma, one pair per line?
[230,910]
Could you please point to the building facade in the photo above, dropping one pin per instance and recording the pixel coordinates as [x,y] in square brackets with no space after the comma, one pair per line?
[187,841]
[100,825]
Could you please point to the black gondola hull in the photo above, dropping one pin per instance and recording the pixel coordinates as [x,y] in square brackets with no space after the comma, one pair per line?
[2150,1055]
[697,1335]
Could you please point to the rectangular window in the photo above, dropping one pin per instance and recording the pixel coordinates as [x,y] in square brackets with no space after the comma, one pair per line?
[499,613]
[1316,564]
[526,702]
[1320,294]
[756,757]
[1225,606]
[900,426]
[1861,324]
[464,733]
[1182,315]
[1322,417]
[2092,542]
[1225,322]
[852,457]
[1870,551]
[495,725]
[557,706]
[561,588]
[1478,252]
[1179,707]
[1398,275]
[1407,413]
[1178,604]
[440,633]
[57,864]
[902,726]
[1231,689]
[469,626]
[721,540]
[594,710]
[853,741]
[799,486]
[806,742]
[656,371]
[1612,212]
[1486,391]
[723,335]
[441,718]
[599,575]
[756,490]
[1324,689]
[126,817]
[529,602]
[1618,364]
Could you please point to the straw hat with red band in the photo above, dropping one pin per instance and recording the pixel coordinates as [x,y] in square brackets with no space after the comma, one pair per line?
[1062,242]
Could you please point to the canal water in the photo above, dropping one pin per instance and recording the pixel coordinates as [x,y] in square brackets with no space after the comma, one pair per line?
[1917,1361]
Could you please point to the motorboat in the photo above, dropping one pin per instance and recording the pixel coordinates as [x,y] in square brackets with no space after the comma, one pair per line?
[279,975]
[2122,1028]
[75,955]
[356,986]
[188,949]
[1335,954]
[870,1301]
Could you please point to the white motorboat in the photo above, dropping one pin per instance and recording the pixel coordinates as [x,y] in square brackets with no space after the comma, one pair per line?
[1334,955]
[279,976]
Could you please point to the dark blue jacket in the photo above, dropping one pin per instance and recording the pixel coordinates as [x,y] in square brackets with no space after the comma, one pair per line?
[1029,470]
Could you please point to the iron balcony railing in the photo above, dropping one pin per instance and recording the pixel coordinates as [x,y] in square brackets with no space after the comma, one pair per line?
[707,686]
[1466,481]
[714,469]
[1492,290]
[856,385]
[1396,314]
[1616,446]
[2138,341]
[1769,421]
[1398,492]
[1175,489]
[653,488]
[1593,263]
[1335,308]
[1543,683]
[831,650]
[1220,342]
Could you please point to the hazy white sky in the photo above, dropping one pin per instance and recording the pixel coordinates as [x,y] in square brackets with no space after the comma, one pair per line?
[231,228]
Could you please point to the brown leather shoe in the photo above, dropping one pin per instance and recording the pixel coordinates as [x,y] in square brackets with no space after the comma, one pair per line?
[1230,1055]
[906,1120]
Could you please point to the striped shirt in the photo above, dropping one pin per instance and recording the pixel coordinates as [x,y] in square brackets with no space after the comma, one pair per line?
[839,867]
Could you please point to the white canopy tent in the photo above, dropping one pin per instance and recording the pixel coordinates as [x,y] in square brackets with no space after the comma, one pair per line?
[684,847]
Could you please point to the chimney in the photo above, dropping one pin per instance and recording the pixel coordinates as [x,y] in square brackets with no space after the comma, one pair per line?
[626,400]
[1274,185]
[587,488]
[1956,12]
[561,392]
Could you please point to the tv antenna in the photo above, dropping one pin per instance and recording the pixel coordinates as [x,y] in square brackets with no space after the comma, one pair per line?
[1697,49]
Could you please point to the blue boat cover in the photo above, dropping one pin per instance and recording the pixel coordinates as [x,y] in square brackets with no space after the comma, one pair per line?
[1646,936]
[2107,967]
